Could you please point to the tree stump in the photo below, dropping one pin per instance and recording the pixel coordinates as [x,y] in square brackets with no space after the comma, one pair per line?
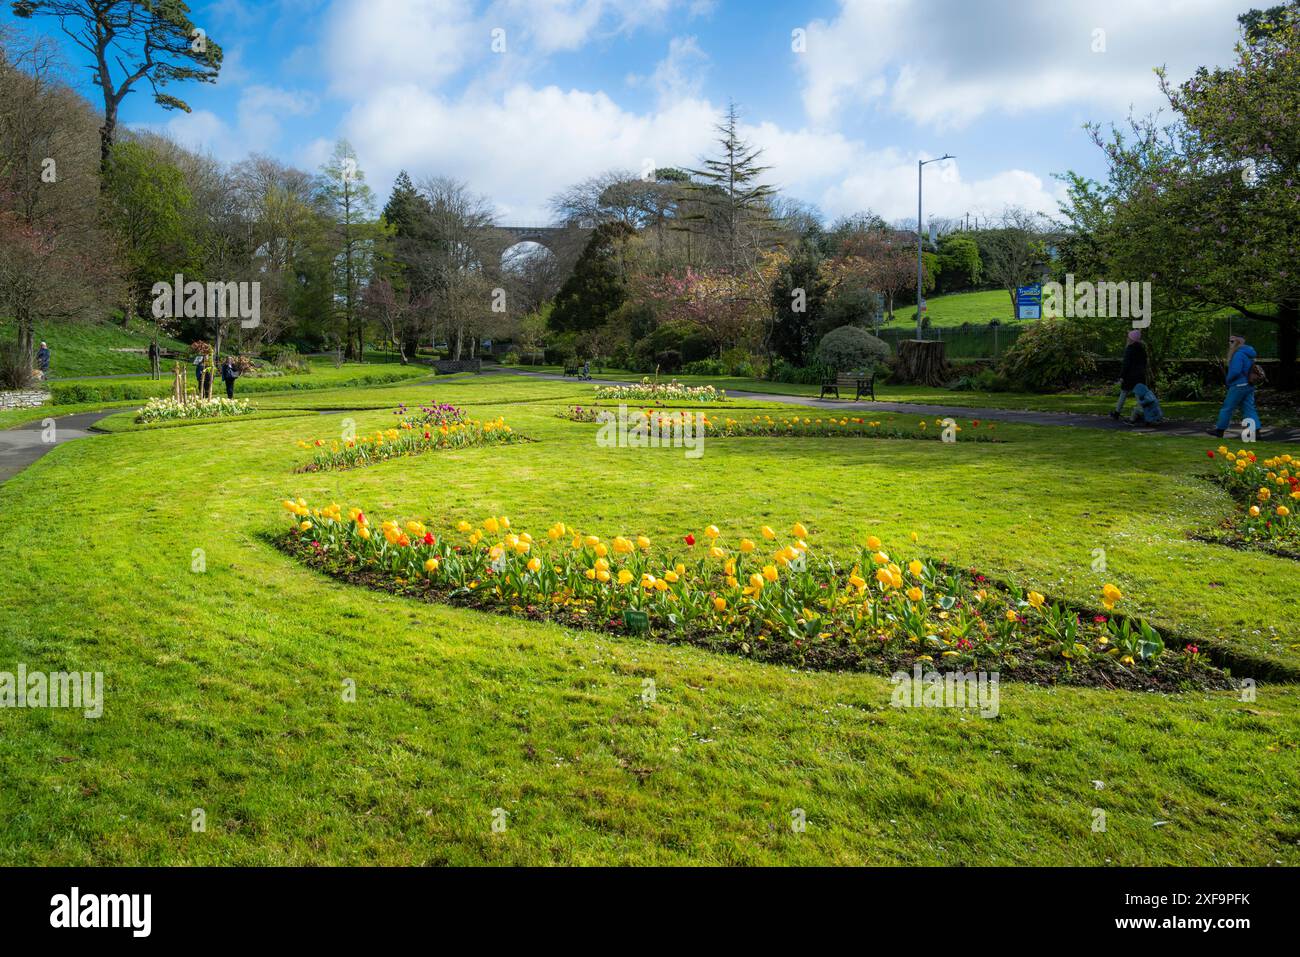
[922,362]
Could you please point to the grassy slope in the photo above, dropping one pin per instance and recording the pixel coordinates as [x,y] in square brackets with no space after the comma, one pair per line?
[977,308]
[223,687]
[91,349]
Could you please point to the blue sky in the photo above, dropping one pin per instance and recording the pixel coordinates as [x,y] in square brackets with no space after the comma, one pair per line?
[844,95]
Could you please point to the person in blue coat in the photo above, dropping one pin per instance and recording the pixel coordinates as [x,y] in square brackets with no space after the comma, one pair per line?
[1241,391]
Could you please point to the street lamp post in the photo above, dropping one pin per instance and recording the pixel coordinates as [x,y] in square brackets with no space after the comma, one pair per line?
[919,300]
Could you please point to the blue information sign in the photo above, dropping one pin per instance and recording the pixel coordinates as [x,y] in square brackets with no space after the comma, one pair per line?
[1029,302]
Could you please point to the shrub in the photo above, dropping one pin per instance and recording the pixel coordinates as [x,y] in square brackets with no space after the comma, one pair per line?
[1185,387]
[15,366]
[782,371]
[705,367]
[851,347]
[1049,356]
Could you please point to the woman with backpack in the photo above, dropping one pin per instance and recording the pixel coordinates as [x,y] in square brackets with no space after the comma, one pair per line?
[1133,372]
[1243,375]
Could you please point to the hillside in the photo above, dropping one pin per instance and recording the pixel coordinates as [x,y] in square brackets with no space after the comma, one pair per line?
[92,349]
[977,308]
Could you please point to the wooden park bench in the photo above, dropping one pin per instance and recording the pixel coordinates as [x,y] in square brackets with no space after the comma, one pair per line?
[862,384]
[572,370]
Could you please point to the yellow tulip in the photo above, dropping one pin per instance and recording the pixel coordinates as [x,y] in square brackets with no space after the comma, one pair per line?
[746,545]
[712,531]
[534,565]
[719,604]
[914,593]
[873,543]
[770,572]
[798,531]
[431,565]
[624,576]
[1036,599]
[766,532]
[915,567]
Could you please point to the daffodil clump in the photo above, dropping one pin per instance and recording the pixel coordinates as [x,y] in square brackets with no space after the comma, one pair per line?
[647,388]
[1268,492]
[168,409]
[815,425]
[406,439]
[769,596]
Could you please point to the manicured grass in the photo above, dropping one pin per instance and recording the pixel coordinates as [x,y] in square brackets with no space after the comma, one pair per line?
[223,687]
[977,308]
[99,348]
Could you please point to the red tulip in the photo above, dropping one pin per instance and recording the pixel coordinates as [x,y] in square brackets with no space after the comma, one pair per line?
[689,540]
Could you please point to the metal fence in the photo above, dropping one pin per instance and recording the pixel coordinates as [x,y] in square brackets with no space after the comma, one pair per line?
[992,341]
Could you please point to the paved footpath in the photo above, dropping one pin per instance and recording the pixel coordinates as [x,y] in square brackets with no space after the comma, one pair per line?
[1076,419]
[21,446]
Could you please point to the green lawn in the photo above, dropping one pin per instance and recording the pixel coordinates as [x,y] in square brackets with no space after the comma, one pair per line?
[94,349]
[977,308]
[223,687]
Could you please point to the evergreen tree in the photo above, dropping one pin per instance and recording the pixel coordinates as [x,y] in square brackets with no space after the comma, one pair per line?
[596,287]
[731,204]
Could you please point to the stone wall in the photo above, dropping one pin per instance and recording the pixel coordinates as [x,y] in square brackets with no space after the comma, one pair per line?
[448,366]
[26,399]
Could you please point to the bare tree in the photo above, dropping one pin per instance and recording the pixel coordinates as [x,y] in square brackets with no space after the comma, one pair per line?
[55,260]
[463,261]
[1015,250]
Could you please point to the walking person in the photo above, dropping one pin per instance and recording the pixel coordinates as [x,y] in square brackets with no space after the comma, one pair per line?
[1243,375]
[154,355]
[1133,372]
[199,362]
[43,360]
[228,375]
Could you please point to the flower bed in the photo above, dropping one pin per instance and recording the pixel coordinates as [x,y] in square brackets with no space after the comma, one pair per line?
[407,439]
[813,426]
[647,388]
[440,413]
[164,410]
[774,602]
[1269,495]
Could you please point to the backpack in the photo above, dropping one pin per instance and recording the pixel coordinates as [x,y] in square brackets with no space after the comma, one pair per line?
[1255,375]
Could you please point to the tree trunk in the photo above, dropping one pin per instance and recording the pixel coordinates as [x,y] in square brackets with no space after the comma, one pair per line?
[922,362]
[1288,318]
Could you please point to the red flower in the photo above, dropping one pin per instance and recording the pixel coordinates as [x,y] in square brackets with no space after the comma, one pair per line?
[1193,650]
[1210,453]
[428,538]
[976,423]
[1099,619]
[689,540]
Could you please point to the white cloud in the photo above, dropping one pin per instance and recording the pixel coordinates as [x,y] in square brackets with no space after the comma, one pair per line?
[944,64]
[521,147]
[680,74]
[380,42]
[257,128]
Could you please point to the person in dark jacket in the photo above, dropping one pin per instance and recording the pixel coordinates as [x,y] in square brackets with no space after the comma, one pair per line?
[154,354]
[199,361]
[43,360]
[1241,391]
[1133,372]
[228,375]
